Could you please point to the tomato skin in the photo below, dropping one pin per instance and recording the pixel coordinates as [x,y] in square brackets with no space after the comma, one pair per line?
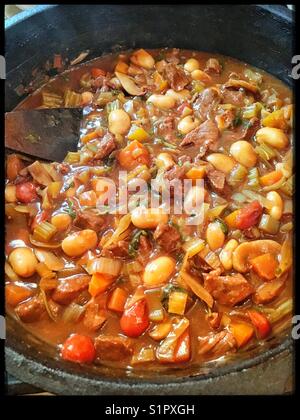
[39,218]
[127,159]
[95,72]
[261,323]
[249,215]
[26,192]
[183,349]
[78,348]
[135,319]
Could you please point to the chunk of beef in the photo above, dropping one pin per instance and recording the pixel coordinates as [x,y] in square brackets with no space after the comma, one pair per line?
[31,310]
[216,179]
[206,103]
[177,172]
[251,128]
[106,146]
[69,288]
[217,344]
[269,291]
[233,97]
[213,66]
[227,290]
[119,249]
[176,77]
[88,220]
[173,56]
[166,128]
[214,319]
[94,316]
[112,348]
[206,136]
[167,237]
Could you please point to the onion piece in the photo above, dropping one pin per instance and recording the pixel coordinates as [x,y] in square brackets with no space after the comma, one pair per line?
[215,212]
[138,295]
[123,225]
[286,256]
[197,288]
[146,354]
[129,85]
[73,312]
[251,195]
[105,265]
[10,272]
[50,260]
[167,348]
[44,297]
[43,244]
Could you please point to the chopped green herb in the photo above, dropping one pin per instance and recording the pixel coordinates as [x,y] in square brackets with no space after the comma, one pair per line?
[222,225]
[70,209]
[134,243]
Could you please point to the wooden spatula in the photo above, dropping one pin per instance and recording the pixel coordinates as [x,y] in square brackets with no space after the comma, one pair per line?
[44,133]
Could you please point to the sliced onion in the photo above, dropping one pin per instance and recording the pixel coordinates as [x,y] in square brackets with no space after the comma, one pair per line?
[43,244]
[216,211]
[44,297]
[73,313]
[123,225]
[105,265]
[129,84]
[10,272]
[276,185]
[197,288]
[260,198]
[52,261]
[167,348]
[138,295]
[239,197]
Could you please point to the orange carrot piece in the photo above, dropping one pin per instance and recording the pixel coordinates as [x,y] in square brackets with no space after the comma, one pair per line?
[117,300]
[15,294]
[90,136]
[121,67]
[88,198]
[270,178]
[265,266]
[231,219]
[242,332]
[99,283]
[260,322]
[196,172]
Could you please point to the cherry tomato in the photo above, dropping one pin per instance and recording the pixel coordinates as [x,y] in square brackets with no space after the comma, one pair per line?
[78,348]
[261,323]
[135,319]
[249,215]
[134,154]
[39,218]
[26,192]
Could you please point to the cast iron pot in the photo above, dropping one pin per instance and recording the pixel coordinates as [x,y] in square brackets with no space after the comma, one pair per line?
[259,35]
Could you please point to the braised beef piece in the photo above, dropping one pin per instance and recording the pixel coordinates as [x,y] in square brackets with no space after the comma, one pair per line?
[88,220]
[216,179]
[176,76]
[227,290]
[244,131]
[206,136]
[112,348]
[251,128]
[172,56]
[31,310]
[69,288]
[167,237]
[214,319]
[94,316]
[233,97]
[119,249]
[213,66]
[206,103]
[177,172]
[217,343]
[166,128]
[106,146]
[145,246]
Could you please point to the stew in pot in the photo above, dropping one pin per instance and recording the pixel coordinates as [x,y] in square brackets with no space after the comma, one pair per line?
[135,285]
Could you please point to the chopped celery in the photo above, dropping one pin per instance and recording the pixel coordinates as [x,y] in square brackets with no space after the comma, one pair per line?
[51,100]
[252,110]
[146,354]
[268,224]
[265,152]
[253,76]
[288,187]
[253,178]
[237,175]
[281,311]
[156,310]
[112,106]
[72,157]
[72,99]
[44,232]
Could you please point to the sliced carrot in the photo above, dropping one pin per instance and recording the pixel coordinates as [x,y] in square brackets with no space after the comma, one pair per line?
[265,266]
[88,198]
[270,178]
[242,332]
[95,72]
[15,294]
[134,154]
[183,348]
[117,300]
[99,283]
[261,323]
